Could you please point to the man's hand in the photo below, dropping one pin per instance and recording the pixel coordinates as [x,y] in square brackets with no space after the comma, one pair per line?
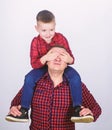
[14,110]
[85,111]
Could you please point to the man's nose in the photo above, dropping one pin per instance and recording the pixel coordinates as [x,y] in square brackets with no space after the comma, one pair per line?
[58,58]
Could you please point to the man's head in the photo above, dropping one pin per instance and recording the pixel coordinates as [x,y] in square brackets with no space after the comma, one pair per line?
[45,25]
[58,64]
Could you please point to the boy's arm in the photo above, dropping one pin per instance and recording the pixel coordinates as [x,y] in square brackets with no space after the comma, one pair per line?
[70,54]
[35,55]
[64,42]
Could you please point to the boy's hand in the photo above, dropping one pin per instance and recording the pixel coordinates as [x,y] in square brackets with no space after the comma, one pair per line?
[54,52]
[51,55]
[65,56]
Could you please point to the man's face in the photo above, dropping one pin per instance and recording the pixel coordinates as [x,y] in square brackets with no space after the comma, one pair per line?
[46,30]
[57,64]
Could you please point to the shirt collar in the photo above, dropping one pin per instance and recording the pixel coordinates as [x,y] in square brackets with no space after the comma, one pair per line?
[53,39]
[64,82]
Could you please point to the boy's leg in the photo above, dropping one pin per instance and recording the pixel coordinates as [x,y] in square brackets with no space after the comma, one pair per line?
[76,93]
[29,83]
[75,85]
[28,88]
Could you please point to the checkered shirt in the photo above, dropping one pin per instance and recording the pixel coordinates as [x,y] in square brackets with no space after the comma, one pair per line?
[51,108]
[39,48]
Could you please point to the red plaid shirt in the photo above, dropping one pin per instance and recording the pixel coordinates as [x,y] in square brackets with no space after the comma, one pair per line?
[52,108]
[39,48]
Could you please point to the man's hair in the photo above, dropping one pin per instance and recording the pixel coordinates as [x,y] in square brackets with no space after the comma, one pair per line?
[58,45]
[45,16]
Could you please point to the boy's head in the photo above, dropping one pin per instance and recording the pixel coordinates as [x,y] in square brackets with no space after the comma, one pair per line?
[45,16]
[46,25]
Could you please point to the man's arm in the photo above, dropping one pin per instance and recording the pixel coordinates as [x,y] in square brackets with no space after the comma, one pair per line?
[89,102]
[17,99]
[15,104]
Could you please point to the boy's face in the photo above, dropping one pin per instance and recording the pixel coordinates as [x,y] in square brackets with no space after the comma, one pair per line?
[46,30]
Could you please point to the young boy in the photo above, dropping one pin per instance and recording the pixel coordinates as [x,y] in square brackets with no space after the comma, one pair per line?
[40,50]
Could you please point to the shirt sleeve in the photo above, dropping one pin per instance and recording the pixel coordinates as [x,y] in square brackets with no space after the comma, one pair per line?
[89,101]
[17,99]
[64,42]
[34,55]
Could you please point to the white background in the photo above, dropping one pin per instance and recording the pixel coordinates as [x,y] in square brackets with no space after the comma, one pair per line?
[87,24]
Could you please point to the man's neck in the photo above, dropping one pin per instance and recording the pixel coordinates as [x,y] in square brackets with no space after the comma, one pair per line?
[56,77]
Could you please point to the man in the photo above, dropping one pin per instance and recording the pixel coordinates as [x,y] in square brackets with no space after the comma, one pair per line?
[51,106]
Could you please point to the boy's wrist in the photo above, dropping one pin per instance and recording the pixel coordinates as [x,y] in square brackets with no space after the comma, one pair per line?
[70,60]
[43,60]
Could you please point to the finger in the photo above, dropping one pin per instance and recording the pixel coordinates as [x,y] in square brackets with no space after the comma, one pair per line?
[19,107]
[85,112]
[82,107]
[15,111]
